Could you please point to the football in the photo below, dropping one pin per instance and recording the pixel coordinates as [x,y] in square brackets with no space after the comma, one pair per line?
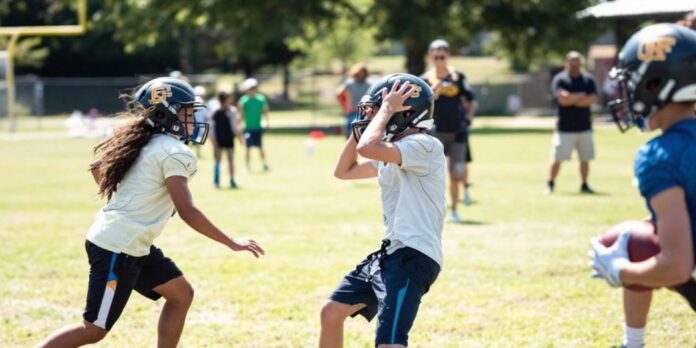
[642,245]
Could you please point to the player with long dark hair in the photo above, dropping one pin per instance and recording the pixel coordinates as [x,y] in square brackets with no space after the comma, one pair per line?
[143,171]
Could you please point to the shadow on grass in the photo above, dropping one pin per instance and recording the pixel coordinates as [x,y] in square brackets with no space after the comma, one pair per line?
[575,194]
[467,222]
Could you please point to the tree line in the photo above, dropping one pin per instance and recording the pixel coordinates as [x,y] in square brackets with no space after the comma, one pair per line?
[127,37]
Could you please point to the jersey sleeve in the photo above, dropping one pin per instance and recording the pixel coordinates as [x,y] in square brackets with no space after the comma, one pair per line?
[179,164]
[416,155]
[655,172]
[465,89]
[591,87]
[556,85]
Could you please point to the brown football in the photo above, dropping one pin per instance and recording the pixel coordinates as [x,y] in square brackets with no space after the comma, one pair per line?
[642,245]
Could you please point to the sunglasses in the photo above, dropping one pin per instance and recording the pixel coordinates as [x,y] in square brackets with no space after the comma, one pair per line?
[440,57]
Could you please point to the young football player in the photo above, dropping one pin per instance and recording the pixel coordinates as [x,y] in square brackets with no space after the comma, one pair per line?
[656,76]
[390,142]
[252,107]
[143,170]
[225,126]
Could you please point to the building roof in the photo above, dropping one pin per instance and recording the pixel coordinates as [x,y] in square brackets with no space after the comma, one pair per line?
[638,8]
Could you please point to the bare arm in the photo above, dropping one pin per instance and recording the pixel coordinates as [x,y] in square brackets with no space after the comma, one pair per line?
[349,166]
[177,186]
[471,106]
[674,264]
[566,98]
[587,100]
[371,144]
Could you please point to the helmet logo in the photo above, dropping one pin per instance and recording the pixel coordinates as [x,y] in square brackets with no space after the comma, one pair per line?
[160,93]
[416,91]
[656,50]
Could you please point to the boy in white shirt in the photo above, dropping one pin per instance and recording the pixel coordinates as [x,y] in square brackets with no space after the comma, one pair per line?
[390,138]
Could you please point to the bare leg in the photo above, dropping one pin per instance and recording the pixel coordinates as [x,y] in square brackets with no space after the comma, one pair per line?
[636,307]
[248,163]
[230,161]
[584,170]
[178,294]
[333,314]
[555,168]
[75,335]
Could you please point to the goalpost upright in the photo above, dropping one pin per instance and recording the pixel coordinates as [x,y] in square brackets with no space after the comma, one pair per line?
[15,33]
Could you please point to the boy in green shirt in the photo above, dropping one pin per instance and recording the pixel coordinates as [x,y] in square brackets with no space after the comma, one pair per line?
[252,106]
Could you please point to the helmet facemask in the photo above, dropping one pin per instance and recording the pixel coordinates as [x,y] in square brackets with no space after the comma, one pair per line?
[166,118]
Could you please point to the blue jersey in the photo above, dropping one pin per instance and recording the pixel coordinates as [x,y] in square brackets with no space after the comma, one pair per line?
[667,161]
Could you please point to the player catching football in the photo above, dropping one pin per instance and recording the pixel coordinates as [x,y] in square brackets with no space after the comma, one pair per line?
[656,76]
[143,170]
[389,142]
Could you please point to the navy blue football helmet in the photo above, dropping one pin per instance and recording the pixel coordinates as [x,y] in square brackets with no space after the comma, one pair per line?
[166,96]
[656,66]
[420,115]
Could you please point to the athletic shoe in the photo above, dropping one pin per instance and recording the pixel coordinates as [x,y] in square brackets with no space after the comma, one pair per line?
[266,168]
[233,184]
[549,188]
[467,198]
[586,189]
[454,217]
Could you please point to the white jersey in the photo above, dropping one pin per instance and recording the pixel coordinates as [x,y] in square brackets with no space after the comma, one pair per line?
[413,196]
[138,210]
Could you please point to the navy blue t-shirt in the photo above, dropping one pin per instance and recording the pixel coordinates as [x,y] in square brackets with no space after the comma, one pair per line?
[573,118]
[450,115]
[667,161]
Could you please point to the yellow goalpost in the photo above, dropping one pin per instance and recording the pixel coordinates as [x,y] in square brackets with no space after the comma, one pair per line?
[46,30]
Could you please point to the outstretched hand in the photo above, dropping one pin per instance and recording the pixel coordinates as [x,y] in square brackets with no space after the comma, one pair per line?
[393,100]
[247,245]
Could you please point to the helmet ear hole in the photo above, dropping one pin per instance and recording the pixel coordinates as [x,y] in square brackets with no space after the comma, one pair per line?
[653,84]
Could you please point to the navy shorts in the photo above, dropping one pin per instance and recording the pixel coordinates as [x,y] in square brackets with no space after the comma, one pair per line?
[113,276]
[391,290]
[253,138]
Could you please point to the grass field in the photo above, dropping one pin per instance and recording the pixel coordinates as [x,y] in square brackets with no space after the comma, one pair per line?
[515,272]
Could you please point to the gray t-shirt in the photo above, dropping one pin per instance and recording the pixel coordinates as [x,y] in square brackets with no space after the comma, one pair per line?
[413,196]
[356,89]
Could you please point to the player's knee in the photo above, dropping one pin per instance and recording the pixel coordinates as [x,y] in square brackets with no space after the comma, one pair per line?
[187,294]
[331,314]
[93,333]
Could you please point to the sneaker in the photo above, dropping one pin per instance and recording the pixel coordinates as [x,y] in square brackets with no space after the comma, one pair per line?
[467,198]
[266,168]
[233,184]
[549,187]
[586,189]
[454,217]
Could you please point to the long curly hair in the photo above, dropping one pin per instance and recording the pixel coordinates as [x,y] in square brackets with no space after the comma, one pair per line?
[116,155]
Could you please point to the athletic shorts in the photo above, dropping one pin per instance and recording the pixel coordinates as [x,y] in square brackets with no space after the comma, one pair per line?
[391,289]
[113,276]
[254,138]
[564,143]
[688,291]
[455,148]
[469,159]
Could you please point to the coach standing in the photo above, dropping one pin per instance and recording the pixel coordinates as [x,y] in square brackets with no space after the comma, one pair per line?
[574,92]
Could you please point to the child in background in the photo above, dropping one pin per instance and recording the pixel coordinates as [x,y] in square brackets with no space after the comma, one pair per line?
[225,128]
[252,107]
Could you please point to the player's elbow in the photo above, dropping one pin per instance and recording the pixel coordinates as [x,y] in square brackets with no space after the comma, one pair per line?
[340,173]
[366,150]
[187,212]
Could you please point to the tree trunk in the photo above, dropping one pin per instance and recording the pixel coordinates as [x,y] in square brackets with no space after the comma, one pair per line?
[286,81]
[415,54]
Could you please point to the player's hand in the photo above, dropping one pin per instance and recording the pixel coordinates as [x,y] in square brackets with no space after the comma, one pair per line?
[393,100]
[247,245]
[607,262]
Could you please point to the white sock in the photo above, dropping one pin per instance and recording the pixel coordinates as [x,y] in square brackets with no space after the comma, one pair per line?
[634,337]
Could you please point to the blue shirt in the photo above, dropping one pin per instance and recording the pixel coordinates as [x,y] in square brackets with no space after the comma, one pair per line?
[668,161]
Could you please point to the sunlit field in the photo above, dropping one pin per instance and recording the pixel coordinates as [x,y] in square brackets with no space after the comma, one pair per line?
[515,272]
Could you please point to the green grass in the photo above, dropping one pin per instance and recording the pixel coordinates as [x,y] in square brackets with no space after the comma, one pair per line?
[515,273]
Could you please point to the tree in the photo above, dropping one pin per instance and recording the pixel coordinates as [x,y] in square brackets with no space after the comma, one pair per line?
[529,31]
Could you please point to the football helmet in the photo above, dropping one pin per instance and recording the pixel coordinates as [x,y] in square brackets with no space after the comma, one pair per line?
[420,115]
[166,96]
[656,66]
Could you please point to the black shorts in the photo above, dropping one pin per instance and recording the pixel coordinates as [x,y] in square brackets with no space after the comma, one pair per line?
[113,276]
[254,138]
[688,291]
[392,290]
